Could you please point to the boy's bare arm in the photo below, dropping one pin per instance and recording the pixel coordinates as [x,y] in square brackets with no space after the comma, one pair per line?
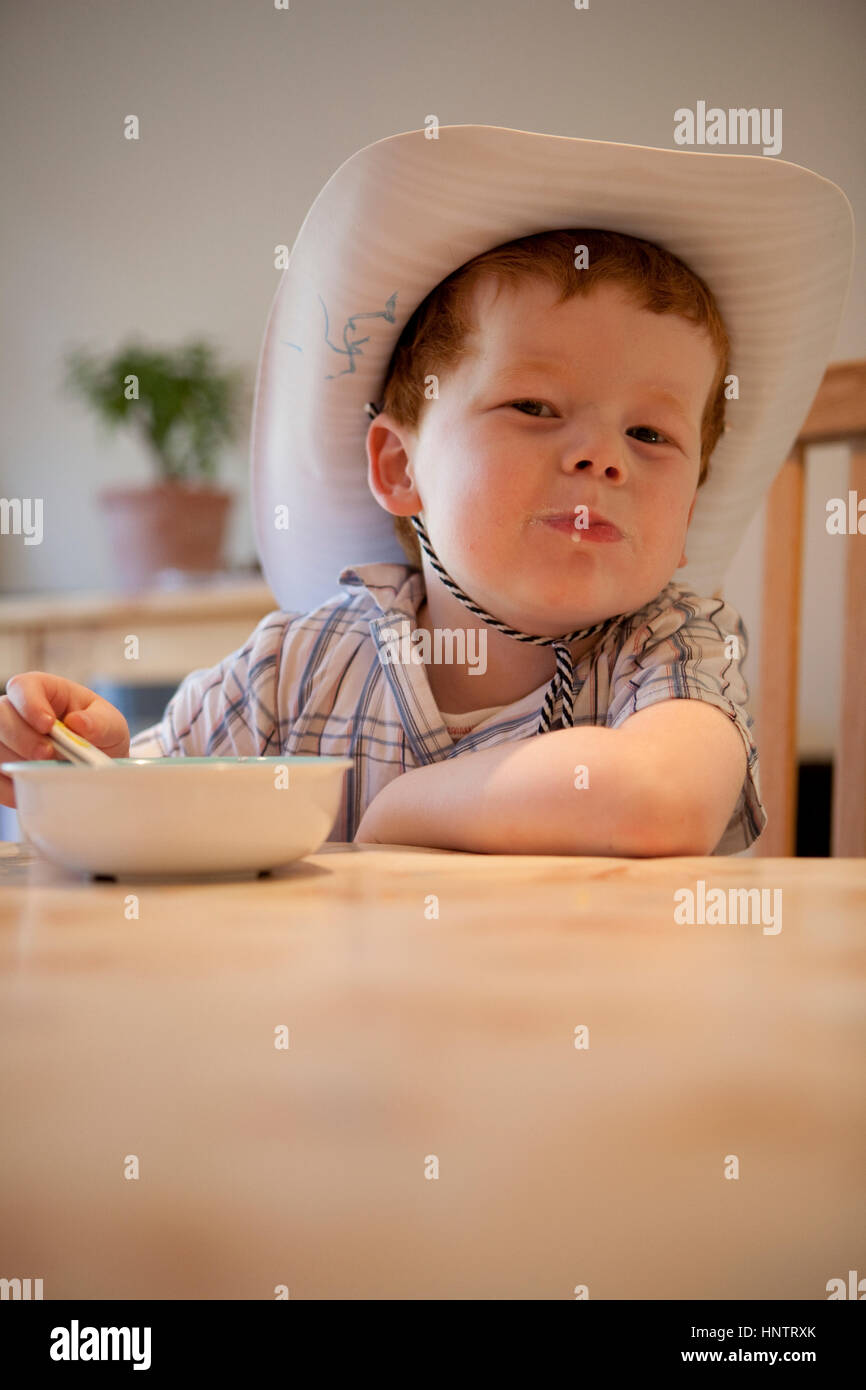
[665,782]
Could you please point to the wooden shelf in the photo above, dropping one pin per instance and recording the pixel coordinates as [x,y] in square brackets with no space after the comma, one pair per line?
[84,635]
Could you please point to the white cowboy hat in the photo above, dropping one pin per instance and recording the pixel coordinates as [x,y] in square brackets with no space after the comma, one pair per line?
[774,241]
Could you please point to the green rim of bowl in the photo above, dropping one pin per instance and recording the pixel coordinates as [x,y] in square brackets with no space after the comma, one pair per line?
[51,763]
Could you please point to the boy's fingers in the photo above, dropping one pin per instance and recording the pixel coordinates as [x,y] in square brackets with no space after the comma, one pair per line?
[7,785]
[19,739]
[39,698]
[100,723]
[83,723]
[7,791]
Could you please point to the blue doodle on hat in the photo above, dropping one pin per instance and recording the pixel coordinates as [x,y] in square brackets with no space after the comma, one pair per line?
[352,346]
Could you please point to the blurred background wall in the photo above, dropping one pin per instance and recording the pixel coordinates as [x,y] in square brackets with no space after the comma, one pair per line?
[245,112]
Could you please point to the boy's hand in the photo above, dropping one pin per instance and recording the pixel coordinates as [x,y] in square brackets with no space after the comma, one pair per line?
[29,708]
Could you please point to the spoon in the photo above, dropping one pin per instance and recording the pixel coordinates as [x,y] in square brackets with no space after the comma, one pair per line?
[76,749]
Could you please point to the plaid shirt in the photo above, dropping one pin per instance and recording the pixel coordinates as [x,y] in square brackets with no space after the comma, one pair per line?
[316,683]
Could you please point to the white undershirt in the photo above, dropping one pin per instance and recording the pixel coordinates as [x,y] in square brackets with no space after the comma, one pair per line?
[463,723]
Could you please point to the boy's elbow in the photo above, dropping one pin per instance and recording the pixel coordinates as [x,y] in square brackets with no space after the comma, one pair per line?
[686,779]
[686,839]
[670,825]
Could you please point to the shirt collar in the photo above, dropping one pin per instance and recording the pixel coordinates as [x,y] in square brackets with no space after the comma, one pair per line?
[390,586]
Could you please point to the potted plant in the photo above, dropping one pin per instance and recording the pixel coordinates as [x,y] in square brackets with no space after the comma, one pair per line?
[185,409]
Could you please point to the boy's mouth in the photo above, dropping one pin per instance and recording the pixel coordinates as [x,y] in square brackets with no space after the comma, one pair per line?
[583,526]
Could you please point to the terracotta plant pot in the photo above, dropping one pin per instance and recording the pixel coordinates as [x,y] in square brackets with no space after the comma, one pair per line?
[171,526]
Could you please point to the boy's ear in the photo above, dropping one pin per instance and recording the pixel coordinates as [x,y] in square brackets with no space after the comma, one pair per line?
[389,466]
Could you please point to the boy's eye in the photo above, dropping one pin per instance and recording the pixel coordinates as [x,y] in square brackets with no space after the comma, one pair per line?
[530,401]
[649,430]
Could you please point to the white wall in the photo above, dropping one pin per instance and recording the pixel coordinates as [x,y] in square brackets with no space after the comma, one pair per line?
[245,112]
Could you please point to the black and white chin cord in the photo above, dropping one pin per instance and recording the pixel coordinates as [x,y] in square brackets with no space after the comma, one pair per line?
[563,682]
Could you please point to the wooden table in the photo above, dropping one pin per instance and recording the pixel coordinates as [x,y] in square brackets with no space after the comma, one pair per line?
[416,1038]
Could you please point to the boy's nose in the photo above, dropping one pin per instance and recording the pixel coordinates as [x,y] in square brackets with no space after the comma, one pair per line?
[592,443]
[602,462]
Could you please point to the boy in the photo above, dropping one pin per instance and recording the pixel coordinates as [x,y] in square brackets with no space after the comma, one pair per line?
[515,399]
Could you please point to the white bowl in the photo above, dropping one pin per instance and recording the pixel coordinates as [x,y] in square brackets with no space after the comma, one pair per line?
[178,816]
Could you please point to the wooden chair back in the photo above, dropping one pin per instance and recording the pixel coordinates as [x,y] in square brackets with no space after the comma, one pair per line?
[838,415]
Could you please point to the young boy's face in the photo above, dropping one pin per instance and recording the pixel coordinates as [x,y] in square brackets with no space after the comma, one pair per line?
[555,408]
